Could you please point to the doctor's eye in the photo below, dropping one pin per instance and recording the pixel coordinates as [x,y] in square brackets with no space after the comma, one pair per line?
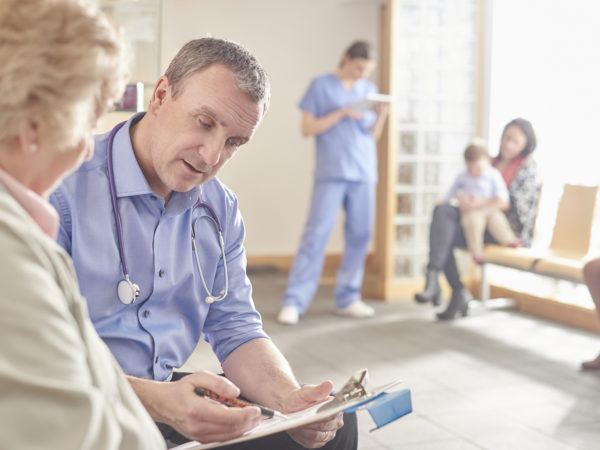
[235,143]
[207,125]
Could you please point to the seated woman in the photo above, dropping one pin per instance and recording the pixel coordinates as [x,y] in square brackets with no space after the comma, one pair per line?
[63,65]
[519,172]
[591,276]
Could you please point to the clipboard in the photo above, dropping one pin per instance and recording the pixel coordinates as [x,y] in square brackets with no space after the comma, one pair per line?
[383,407]
[370,101]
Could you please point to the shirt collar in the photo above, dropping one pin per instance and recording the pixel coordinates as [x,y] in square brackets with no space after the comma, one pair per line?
[38,208]
[129,179]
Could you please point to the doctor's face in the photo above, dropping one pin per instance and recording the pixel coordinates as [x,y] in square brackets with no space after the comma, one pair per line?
[197,132]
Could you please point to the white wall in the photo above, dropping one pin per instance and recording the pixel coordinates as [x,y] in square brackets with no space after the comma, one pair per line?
[295,41]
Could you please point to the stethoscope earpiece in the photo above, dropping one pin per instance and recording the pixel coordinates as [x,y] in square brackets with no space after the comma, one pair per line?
[210,299]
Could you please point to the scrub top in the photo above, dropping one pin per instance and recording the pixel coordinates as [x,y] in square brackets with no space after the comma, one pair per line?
[159,331]
[347,150]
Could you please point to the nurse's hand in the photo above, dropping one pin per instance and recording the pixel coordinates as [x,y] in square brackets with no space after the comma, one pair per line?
[351,112]
[316,434]
[197,418]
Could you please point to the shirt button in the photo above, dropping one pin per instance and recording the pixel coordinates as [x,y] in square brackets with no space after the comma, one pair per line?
[153,197]
[161,273]
[146,313]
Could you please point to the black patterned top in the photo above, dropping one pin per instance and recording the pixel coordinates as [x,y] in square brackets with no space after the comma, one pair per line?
[524,193]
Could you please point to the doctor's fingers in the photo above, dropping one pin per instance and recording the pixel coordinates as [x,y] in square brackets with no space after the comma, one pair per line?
[332,423]
[317,434]
[210,421]
[208,380]
[307,395]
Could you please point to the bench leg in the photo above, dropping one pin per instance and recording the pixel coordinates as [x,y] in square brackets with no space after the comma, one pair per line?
[485,287]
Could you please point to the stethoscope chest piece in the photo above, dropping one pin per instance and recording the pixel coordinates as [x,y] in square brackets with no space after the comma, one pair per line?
[127,291]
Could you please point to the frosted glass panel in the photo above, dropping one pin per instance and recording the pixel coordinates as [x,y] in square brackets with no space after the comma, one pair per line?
[435,81]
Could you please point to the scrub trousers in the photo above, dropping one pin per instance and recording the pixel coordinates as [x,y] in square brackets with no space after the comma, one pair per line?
[358,201]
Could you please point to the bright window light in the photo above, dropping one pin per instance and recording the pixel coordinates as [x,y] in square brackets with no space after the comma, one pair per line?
[546,68]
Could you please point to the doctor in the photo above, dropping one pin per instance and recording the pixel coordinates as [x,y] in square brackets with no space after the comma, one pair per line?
[129,217]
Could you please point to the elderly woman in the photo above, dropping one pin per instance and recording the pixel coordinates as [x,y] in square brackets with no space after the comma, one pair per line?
[519,172]
[62,66]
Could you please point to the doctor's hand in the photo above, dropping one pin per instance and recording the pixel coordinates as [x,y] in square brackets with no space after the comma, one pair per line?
[198,418]
[316,434]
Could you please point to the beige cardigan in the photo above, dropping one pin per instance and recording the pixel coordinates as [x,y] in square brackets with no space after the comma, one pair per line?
[60,387]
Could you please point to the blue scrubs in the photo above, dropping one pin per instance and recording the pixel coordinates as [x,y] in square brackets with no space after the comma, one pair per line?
[159,331]
[345,176]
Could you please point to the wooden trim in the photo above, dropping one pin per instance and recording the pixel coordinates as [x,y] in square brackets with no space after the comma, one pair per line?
[547,308]
[382,263]
[284,263]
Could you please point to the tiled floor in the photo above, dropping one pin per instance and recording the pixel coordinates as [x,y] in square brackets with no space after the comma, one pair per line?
[496,379]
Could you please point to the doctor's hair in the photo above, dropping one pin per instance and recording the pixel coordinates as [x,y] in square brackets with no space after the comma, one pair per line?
[358,49]
[249,75]
[63,66]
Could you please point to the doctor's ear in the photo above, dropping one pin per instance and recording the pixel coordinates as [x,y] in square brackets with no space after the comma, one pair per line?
[160,94]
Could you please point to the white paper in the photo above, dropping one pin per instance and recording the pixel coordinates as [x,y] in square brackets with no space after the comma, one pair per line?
[370,101]
[285,422]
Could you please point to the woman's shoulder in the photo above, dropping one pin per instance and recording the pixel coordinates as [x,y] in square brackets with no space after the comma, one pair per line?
[528,168]
[529,163]
[527,179]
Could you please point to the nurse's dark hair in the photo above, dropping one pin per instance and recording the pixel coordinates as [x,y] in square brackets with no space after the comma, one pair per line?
[358,49]
[527,129]
[249,75]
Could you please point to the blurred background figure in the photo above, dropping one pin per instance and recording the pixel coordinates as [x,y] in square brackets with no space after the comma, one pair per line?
[63,65]
[520,174]
[482,196]
[345,176]
[591,275]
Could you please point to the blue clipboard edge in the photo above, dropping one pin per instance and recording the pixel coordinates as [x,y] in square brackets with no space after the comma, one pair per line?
[385,407]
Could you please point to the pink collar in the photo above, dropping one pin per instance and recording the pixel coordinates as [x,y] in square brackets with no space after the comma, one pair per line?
[40,210]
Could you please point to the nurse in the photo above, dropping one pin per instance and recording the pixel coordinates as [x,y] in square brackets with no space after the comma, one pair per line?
[127,217]
[345,176]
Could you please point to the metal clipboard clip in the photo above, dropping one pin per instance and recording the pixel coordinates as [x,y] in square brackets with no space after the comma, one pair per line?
[382,406]
[355,387]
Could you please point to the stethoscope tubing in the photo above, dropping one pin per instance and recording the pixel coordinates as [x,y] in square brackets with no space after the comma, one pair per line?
[113,196]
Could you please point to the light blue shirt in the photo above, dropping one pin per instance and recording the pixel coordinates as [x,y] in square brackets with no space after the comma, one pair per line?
[159,331]
[347,150]
[489,185]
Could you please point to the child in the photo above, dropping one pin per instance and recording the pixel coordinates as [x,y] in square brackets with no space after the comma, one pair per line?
[482,196]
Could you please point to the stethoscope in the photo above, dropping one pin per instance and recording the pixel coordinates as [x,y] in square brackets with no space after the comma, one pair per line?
[127,290]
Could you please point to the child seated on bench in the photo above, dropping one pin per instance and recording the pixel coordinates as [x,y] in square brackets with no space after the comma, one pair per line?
[482,196]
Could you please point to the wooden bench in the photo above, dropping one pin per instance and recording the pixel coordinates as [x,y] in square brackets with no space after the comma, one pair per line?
[566,255]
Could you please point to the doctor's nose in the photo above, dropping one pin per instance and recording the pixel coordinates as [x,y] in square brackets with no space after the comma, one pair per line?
[210,151]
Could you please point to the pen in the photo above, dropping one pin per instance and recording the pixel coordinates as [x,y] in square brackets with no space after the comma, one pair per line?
[202,392]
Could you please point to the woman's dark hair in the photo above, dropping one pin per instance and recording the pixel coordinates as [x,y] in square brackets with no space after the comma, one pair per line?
[358,49]
[527,129]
